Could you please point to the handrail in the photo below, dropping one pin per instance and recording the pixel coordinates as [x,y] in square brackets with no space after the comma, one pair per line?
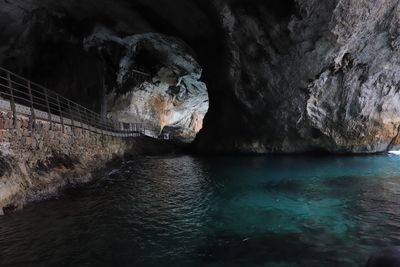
[141,73]
[59,109]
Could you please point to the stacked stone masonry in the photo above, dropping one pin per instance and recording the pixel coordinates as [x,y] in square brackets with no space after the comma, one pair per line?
[37,159]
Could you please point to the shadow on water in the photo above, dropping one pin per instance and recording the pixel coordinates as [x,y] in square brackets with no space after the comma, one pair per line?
[285,186]
[271,249]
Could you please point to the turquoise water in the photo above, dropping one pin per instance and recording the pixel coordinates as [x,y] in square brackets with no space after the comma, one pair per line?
[226,211]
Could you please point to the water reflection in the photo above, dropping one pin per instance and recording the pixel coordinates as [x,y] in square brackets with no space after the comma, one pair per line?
[180,211]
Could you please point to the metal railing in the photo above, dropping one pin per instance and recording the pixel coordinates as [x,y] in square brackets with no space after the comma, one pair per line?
[21,95]
[137,76]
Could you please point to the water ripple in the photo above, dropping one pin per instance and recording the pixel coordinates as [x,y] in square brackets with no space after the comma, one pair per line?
[186,211]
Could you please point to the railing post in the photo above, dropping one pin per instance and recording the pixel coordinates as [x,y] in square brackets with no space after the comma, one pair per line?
[32,108]
[96,123]
[101,122]
[67,110]
[100,129]
[71,117]
[87,119]
[80,117]
[91,120]
[46,97]
[110,127]
[12,102]
[60,111]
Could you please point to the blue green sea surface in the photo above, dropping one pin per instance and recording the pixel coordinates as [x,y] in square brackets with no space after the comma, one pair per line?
[221,211]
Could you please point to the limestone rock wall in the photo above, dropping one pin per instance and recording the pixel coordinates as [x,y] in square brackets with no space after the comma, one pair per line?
[37,162]
[282,75]
[319,76]
[174,100]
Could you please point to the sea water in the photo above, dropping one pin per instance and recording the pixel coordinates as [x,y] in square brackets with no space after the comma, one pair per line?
[221,211]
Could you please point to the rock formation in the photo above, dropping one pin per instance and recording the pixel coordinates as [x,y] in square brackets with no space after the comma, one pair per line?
[37,162]
[282,76]
[173,100]
[324,77]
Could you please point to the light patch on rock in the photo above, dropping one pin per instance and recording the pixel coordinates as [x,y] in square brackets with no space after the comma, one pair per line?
[174,100]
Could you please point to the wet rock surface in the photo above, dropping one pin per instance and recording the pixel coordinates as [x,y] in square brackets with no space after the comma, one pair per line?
[282,76]
[322,78]
[38,161]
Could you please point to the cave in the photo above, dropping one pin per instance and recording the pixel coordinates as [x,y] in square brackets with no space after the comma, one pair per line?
[247,53]
[59,59]
[149,59]
[65,59]
[202,132]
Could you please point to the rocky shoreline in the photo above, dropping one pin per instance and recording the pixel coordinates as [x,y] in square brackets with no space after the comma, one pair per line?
[36,162]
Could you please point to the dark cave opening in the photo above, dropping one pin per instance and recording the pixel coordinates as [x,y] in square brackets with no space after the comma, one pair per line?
[89,71]
[279,9]
[149,59]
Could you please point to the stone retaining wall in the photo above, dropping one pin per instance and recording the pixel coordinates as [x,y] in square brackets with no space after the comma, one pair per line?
[36,160]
